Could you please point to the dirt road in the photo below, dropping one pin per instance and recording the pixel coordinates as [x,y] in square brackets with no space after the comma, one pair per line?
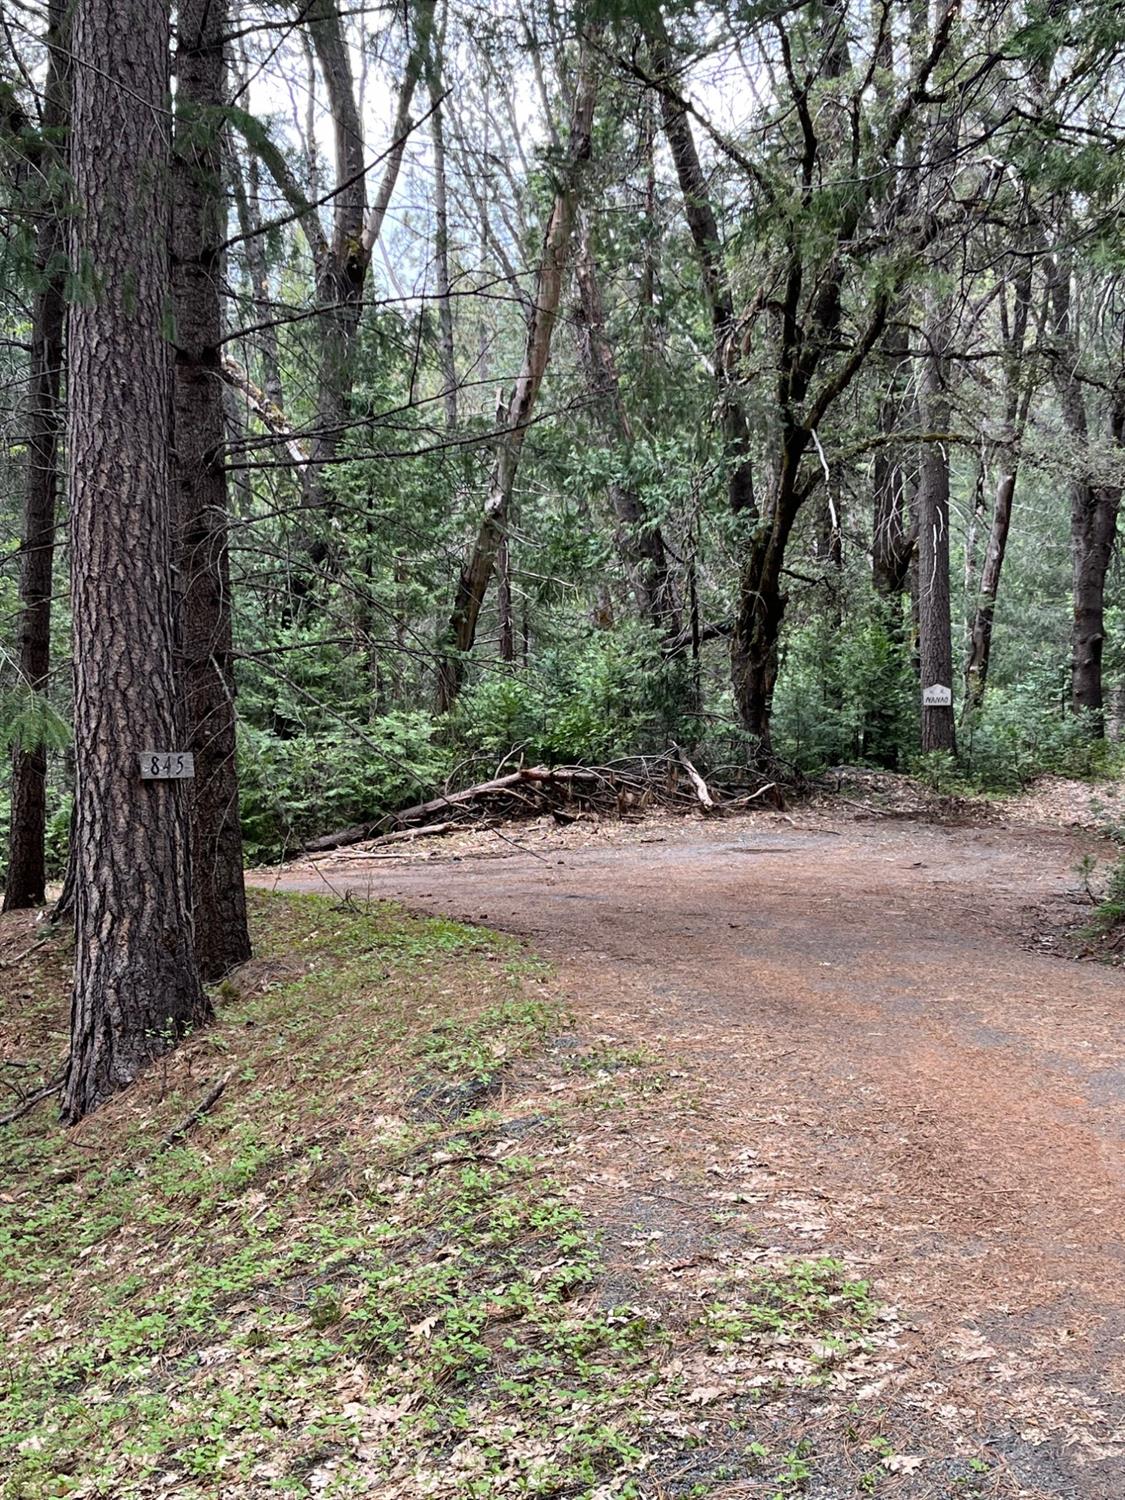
[884,1072]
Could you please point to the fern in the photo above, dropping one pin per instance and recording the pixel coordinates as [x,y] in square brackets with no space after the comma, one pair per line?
[29,722]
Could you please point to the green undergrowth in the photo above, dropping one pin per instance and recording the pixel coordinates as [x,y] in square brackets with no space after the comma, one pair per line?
[350,1272]
[358,1274]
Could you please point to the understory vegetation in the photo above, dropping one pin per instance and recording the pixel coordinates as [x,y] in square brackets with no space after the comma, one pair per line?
[458,536]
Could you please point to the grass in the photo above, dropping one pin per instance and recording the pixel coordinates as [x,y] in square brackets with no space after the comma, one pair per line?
[347,1272]
[359,1275]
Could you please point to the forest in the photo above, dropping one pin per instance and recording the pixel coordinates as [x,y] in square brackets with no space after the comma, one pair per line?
[420,414]
[551,387]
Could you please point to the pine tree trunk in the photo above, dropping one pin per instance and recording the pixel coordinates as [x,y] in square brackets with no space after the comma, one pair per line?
[136,987]
[199,219]
[26,880]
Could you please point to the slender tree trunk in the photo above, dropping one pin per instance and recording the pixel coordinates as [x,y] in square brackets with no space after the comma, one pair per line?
[447,361]
[980,628]
[344,261]
[247,198]
[479,564]
[136,987]
[1018,392]
[507,637]
[935,624]
[199,221]
[640,540]
[26,881]
[716,285]
[1093,511]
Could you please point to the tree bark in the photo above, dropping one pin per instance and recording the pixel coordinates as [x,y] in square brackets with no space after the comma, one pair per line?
[478,566]
[25,884]
[1093,510]
[136,987]
[222,939]
[935,643]
[640,540]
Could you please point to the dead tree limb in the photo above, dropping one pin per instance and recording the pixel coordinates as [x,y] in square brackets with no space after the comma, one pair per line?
[207,1103]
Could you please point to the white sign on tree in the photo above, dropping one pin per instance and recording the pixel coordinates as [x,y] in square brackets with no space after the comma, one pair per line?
[937,696]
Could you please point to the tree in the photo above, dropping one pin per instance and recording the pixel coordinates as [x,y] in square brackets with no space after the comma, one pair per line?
[343,259]
[26,881]
[1094,500]
[198,229]
[935,644]
[640,539]
[478,565]
[136,984]
[1018,386]
[700,215]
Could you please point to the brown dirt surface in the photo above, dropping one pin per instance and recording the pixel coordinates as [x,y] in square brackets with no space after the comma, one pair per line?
[860,1059]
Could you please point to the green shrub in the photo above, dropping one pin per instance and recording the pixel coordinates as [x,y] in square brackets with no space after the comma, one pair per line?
[846,693]
[608,694]
[1025,730]
[310,783]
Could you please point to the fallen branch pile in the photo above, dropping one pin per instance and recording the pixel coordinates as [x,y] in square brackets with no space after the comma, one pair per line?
[623,789]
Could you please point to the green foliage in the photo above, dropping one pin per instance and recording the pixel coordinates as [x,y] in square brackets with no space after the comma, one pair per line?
[295,787]
[609,693]
[326,1294]
[846,692]
[1025,729]
[1110,912]
[29,721]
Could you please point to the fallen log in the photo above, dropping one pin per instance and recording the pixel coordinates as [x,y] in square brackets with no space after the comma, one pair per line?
[424,831]
[534,791]
[343,836]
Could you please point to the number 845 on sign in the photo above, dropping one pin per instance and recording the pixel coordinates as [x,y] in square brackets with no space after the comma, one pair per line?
[167,765]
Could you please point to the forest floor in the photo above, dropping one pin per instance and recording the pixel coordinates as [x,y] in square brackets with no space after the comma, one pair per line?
[844,1034]
[770,1158]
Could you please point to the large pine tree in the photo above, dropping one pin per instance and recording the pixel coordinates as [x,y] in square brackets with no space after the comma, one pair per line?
[136,984]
